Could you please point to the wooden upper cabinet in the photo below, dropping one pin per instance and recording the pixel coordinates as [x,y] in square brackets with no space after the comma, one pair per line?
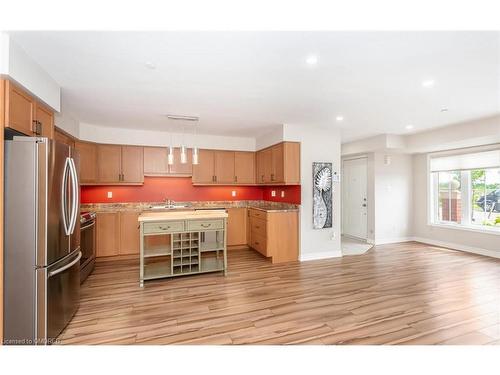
[224,167]
[155,161]
[204,171]
[44,121]
[88,161]
[277,172]
[178,168]
[19,109]
[109,158]
[244,167]
[279,164]
[132,164]
[264,166]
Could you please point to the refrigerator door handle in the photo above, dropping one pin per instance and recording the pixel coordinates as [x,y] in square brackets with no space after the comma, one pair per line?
[74,195]
[64,197]
[64,268]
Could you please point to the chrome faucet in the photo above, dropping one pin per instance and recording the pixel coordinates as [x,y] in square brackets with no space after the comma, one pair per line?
[169,202]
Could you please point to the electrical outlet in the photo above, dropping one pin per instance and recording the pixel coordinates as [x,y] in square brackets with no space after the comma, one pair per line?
[110,194]
[273,193]
[282,194]
[233,193]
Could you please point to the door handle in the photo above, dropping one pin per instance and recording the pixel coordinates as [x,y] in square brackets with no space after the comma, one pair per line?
[364,205]
[74,195]
[64,197]
[64,268]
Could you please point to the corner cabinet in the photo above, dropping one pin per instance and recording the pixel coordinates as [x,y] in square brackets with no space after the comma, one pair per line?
[279,164]
[23,113]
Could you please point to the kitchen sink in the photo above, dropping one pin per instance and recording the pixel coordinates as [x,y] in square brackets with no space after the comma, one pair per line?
[167,207]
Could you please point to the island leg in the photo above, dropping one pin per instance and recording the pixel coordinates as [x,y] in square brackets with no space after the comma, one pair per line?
[141,257]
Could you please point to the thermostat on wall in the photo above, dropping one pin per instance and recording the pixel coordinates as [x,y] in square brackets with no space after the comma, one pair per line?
[336,177]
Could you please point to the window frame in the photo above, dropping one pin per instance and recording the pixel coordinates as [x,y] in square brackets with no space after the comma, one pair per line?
[433,204]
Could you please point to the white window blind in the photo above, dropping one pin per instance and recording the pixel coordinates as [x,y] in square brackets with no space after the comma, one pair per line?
[476,160]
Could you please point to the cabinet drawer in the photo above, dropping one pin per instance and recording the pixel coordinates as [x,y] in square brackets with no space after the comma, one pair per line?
[170,226]
[258,226]
[258,243]
[205,224]
[257,213]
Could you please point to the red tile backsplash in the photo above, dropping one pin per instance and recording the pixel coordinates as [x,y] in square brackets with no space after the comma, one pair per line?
[156,189]
[292,193]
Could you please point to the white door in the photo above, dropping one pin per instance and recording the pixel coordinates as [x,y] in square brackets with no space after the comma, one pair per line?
[354,198]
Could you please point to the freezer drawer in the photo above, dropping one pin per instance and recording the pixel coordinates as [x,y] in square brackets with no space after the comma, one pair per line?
[63,293]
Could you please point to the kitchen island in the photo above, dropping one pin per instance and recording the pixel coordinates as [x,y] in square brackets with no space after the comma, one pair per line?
[176,243]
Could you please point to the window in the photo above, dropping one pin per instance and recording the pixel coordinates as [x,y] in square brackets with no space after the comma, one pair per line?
[465,190]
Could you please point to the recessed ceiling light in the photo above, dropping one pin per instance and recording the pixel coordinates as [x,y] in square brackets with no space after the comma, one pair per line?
[150,65]
[409,127]
[428,83]
[339,118]
[444,109]
[312,60]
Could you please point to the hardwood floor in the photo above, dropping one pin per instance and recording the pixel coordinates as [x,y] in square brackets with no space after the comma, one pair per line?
[406,293]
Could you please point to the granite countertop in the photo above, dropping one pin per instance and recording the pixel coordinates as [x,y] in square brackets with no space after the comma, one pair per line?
[190,206]
[181,215]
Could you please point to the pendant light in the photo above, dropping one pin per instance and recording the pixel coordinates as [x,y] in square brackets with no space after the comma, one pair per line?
[195,147]
[183,148]
[170,156]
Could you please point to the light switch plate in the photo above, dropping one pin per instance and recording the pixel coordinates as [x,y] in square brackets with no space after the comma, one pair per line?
[282,194]
[110,194]
[273,193]
[233,193]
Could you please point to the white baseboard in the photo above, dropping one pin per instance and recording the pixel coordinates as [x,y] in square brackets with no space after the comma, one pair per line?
[320,255]
[459,247]
[385,241]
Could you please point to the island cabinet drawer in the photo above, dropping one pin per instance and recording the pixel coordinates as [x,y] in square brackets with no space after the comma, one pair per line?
[258,243]
[166,227]
[205,224]
[257,213]
[258,226]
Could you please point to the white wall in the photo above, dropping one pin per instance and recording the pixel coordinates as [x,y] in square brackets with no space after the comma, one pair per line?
[393,191]
[105,134]
[321,145]
[270,138]
[482,243]
[25,71]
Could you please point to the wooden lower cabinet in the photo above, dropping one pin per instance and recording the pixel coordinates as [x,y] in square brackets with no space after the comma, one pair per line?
[108,234]
[129,233]
[237,226]
[275,234]
[117,233]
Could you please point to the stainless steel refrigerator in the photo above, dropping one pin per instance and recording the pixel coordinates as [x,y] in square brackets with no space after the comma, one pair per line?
[42,239]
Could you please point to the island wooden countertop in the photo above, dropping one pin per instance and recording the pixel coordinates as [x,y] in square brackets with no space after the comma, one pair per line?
[182,215]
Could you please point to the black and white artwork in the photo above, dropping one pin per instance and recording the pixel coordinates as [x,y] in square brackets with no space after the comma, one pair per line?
[322,195]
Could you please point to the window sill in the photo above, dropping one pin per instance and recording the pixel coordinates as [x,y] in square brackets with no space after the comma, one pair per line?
[467,228]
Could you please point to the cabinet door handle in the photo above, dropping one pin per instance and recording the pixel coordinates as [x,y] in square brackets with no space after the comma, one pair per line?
[262,177]
[235,178]
[37,127]
[256,242]
[205,225]
[272,176]
[257,227]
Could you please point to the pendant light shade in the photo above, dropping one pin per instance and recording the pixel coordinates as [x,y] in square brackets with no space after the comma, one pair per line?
[170,156]
[195,156]
[184,158]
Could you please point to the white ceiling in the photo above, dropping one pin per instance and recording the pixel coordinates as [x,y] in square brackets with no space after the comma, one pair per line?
[242,83]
